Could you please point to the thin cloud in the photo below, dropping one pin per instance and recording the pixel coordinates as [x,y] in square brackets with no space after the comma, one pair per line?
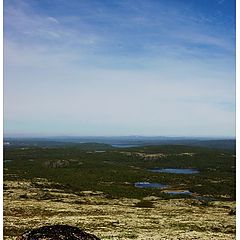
[52,19]
[131,68]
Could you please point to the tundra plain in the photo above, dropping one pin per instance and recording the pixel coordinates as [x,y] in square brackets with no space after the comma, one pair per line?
[92,187]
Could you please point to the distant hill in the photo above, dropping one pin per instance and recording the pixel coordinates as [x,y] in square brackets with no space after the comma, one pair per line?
[220,144]
[29,143]
[99,143]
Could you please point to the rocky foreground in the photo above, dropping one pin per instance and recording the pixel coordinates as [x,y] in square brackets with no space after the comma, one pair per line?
[37,203]
[57,232]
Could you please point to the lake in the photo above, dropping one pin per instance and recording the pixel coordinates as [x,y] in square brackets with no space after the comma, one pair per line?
[175,170]
[123,145]
[150,185]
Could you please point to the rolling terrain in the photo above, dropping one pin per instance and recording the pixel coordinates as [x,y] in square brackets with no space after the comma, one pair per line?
[95,186]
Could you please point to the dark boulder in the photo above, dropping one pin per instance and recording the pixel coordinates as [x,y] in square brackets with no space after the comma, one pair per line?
[57,232]
[232,211]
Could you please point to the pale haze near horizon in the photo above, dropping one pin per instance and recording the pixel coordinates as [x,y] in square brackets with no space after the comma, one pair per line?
[119,68]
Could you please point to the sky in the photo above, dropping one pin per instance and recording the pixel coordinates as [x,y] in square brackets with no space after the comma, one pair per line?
[119,67]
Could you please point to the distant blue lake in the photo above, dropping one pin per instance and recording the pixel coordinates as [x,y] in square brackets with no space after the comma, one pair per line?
[150,185]
[123,145]
[175,170]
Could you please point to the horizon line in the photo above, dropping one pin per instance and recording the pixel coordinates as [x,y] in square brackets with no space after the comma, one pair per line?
[115,136]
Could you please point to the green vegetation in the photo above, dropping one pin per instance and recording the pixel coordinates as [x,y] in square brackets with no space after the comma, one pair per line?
[91,186]
[115,170]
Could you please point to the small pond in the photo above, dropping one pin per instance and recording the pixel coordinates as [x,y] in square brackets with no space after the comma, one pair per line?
[175,170]
[150,185]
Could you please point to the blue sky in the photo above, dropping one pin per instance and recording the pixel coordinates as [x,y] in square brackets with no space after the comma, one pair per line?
[143,67]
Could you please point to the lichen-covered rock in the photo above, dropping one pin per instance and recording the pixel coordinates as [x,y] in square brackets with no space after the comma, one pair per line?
[57,232]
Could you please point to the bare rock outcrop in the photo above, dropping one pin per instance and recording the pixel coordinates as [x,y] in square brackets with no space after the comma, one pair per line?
[57,232]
